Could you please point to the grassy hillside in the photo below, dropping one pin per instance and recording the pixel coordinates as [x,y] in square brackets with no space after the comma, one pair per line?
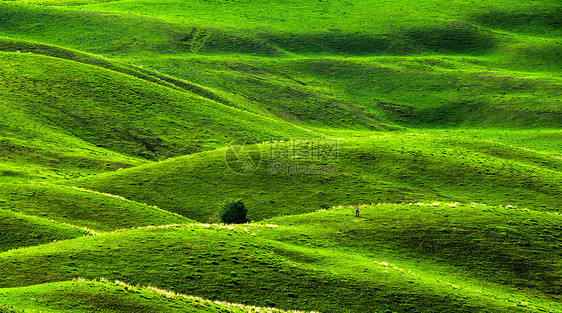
[299,176]
[24,46]
[389,259]
[119,112]
[18,230]
[407,91]
[84,208]
[92,296]
[318,63]
[490,243]
[124,122]
[284,24]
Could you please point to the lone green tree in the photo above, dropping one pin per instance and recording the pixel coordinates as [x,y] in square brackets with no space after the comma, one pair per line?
[233,211]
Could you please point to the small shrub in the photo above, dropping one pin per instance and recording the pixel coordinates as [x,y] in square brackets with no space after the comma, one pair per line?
[233,212]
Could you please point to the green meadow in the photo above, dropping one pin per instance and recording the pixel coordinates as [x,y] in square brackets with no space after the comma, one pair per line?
[126,124]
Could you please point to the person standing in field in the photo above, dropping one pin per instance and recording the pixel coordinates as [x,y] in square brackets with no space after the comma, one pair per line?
[357,210]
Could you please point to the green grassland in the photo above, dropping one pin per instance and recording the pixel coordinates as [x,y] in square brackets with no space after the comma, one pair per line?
[84,208]
[123,124]
[391,168]
[144,120]
[19,230]
[105,296]
[480,68]
[402,258]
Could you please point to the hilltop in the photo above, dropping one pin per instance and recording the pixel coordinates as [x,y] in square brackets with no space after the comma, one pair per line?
[300,176]
[125,124]
[481,66]
[454,258]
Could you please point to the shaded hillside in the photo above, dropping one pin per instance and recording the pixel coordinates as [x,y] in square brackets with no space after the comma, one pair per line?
[18,230]
[298,176]
[327,261]
[122,113]
[83,208]
[485,70]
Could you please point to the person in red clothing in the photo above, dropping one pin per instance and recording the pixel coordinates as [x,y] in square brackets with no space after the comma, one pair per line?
[357,210]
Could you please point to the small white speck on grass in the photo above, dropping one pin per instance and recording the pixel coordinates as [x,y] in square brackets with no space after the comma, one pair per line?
[398,269]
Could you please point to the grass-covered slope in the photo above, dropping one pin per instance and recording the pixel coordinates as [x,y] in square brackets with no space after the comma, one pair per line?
[259,27]
[119,112]
[104,296]
[476,260]
[498,244]
[83,208]
[114,114]
[485,69]
[362,93]
[39,152]
[298,176]
[18,230]
[35,147]
[23,46]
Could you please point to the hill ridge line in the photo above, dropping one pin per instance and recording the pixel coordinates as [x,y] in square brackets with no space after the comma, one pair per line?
[522,148]
[432,204]
[97,57]
[245,227]
[454,284]
[86,229]
[120,198]
[129,69]
[107,195]
[172,294]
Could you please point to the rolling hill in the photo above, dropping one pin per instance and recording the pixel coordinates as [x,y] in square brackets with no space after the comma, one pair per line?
[458,258]
[481,68]
[111,296]
[84,208]
[124,124]
[138,118]
[19,230]
[325,173]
